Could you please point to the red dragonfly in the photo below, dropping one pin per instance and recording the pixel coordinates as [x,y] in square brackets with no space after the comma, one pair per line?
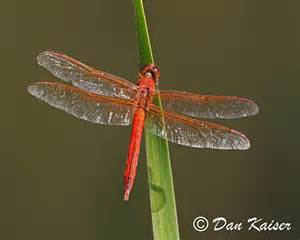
[103,98]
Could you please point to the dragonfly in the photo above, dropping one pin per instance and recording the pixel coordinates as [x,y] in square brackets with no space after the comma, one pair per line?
[102,98]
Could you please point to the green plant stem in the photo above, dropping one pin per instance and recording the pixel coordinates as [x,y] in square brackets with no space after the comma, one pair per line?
[162,197]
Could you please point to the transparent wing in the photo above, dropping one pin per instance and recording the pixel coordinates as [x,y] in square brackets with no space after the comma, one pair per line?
[84,105]
[193,132]
[207,106]
[85,77]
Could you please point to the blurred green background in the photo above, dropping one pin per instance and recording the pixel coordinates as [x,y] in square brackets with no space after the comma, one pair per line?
[61,177]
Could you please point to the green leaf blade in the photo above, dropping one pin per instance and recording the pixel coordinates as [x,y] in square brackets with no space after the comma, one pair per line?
[162,197]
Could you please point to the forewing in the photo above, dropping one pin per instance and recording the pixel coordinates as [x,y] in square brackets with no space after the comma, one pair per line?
[193,132]
[84,105]
[207,106]
[85,77]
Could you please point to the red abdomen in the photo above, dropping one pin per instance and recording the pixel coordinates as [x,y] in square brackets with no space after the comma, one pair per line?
[134,150]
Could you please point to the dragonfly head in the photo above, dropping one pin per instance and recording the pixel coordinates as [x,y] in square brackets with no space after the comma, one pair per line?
[150,70]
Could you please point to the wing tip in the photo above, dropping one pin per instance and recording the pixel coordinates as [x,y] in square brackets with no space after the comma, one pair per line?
[31,89]
[37,89]
[242,142]
[254,108]
[43,56]
[250,108]
[34,90]
[244,146]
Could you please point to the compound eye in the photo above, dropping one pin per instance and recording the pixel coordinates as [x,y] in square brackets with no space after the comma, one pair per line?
[156,72]
[151,70]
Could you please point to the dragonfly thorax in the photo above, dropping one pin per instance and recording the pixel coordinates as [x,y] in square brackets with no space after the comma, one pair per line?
[145,93]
